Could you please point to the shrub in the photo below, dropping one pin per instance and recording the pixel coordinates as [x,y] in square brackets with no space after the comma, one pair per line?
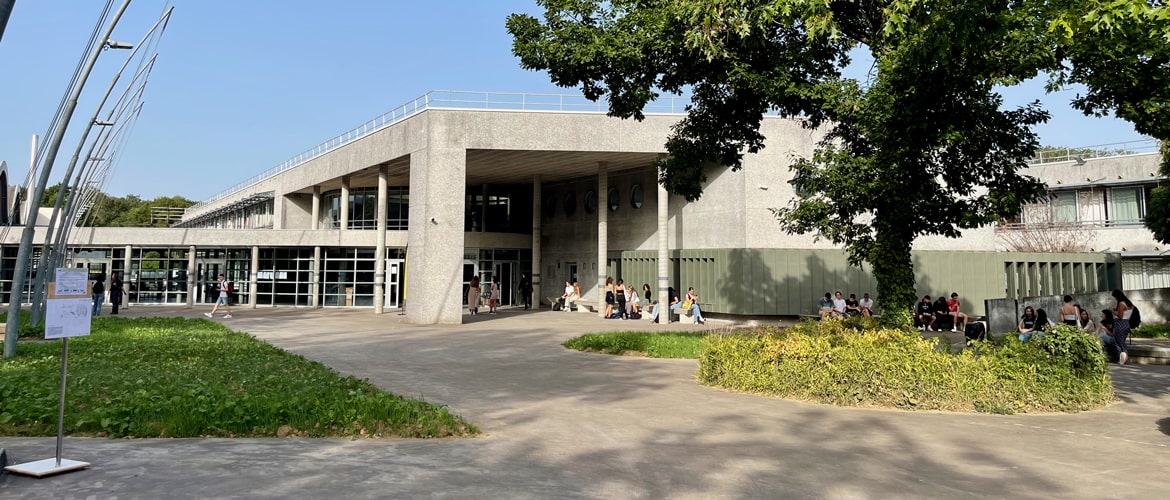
[652,344]
[26,328]
[834,362]
[1151,332]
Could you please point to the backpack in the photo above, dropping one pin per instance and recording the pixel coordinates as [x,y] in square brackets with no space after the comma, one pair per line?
[228,287]
[1135,319]
[976,331]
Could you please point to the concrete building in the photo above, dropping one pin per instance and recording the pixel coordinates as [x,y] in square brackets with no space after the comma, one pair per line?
[404,210]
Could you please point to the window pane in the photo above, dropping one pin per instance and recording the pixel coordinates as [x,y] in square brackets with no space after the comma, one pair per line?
[1125,205]
[1064,207]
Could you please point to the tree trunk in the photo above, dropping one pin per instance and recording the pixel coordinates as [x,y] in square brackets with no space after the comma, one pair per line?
[893,269]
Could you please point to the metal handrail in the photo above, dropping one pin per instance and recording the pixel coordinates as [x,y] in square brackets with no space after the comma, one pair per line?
[445,99]
[1080,154]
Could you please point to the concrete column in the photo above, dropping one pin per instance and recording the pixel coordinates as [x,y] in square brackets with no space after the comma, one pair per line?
[536,262]
[663,254]
[434,276]
[192,276]
[602,236]
[126,270]
[315,282]
[380,248]
[253,274]
[483,205]
[315,223]
[344,203]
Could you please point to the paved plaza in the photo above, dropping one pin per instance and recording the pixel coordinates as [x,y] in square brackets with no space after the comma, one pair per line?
[566,424]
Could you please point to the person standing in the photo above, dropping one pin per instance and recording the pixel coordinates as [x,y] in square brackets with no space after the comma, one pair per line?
[116,289]
[526,291]
[494,295]
[224,287]
[1122,313]
[99,293]
[473,296]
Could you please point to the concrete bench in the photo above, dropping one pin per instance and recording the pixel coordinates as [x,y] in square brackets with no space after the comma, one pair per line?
[582,305]
[1148,352]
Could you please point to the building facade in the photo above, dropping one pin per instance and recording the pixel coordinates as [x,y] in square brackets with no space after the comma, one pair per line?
[402,212]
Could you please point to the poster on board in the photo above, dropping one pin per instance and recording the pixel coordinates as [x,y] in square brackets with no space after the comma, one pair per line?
[69,306]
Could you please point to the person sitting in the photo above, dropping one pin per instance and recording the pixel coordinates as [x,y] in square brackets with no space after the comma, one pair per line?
[1027,324]
[1084,321]
[632,302]
[574,292]
[942,314]
[957,315]
[1068,312]
[924,315]
[866,305]
[851,307]
[1105,330]
[1043,323]
[838,305]
[826,306]
[692,301]
[672,296]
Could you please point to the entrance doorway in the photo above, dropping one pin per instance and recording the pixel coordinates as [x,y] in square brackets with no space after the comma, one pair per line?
[470,270]
[207,279]
[395,270]
[504,271]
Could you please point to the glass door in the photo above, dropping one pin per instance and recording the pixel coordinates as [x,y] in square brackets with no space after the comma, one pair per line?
[395,271]
[207,279]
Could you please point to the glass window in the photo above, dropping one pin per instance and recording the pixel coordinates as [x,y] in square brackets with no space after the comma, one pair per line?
[591,201]
[1064,207]
[570,203]
[614,199]
[638,195]
[1126,205]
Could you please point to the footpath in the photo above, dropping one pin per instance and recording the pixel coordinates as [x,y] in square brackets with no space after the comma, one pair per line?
[565,424]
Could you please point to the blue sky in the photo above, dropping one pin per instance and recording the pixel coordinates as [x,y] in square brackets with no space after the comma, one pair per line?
[240,86]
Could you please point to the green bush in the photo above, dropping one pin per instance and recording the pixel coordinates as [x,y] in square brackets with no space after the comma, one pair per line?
[27,330]
[836,362]
[1151,332]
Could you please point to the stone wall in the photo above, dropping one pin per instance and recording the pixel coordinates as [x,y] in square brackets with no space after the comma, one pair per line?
[1004,314]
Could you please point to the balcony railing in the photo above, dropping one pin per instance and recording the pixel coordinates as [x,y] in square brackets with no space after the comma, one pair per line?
[1098,151]
[445,99]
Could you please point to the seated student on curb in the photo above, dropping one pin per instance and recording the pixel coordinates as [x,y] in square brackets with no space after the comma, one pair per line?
[942,314]
[1084,321]
[1028,324]
[851,307]
[573,297]
[1105,328]
[838,304]
[953,305]
[924,314]
[632,305]
[866,305]
[692,301]
[672,296]
[826,306]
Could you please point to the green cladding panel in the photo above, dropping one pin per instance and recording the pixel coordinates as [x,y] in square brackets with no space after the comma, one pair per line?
[789,282]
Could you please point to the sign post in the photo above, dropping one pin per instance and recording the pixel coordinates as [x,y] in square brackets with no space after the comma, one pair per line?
[68,312]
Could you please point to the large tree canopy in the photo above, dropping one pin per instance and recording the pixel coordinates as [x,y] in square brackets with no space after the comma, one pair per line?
[921,145]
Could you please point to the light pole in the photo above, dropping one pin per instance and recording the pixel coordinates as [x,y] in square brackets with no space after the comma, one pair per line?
[24,254]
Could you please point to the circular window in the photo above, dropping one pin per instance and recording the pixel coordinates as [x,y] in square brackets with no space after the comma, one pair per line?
[590,201]
[550,205]
[614,199]
[637,196]
[570,203]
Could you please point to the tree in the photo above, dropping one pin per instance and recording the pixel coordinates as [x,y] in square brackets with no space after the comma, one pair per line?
[923,146]
[1158,206]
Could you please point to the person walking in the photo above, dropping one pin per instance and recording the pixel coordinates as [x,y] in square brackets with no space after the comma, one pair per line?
[494,295]
[526,291]
[116,289]
[99,294]
[224,287]
[473,296]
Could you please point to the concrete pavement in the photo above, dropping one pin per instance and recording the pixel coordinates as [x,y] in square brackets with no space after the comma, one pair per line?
[565,424]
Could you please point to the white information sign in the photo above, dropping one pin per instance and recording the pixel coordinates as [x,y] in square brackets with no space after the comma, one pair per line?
[67,317]
[71,282]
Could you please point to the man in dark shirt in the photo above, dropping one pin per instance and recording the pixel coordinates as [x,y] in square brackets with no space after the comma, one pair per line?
[925,314]
[851,307]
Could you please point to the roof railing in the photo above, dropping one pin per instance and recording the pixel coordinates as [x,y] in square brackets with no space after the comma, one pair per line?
[446,99]
[1080,154]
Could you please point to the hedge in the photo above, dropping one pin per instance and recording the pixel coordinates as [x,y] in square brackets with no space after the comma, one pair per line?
[849,364]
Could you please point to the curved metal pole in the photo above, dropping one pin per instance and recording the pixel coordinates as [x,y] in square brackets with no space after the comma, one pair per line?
[24,254]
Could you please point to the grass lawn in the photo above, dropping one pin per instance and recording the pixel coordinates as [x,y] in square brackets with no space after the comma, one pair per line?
[26,328]
[652,344]
[175,377]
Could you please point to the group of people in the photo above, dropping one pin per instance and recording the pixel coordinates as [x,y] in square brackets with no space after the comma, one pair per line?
[622,301]
[99,293]
[836,306]
[1113,328]
[491,297]
[931,316]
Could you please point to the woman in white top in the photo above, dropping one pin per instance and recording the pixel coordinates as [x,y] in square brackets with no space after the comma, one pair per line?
[1084,321]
